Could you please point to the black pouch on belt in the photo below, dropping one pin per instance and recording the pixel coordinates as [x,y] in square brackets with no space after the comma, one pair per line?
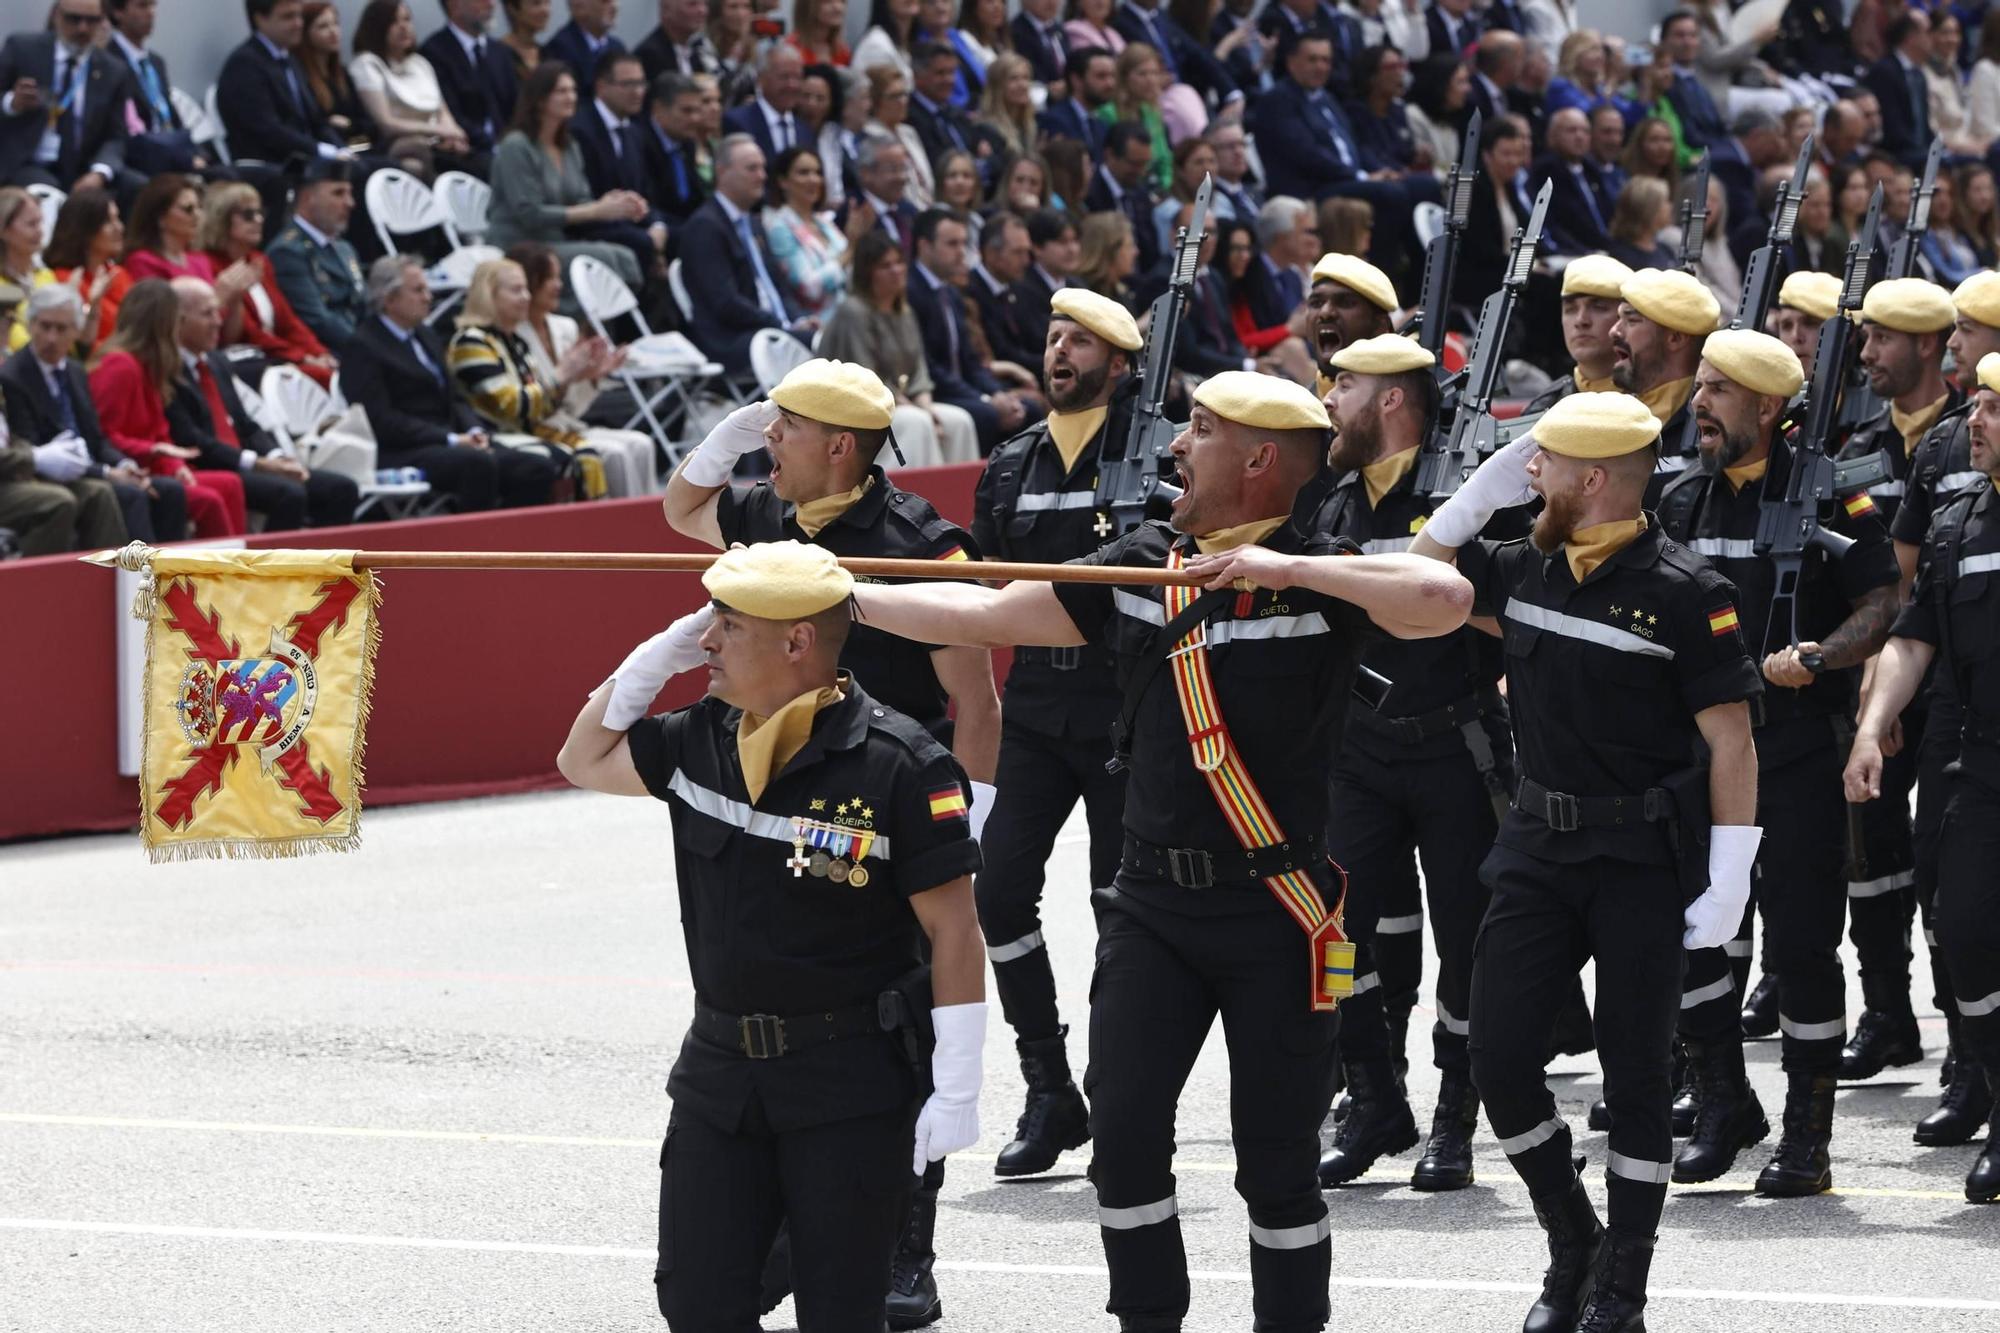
[904,1010]
[1687,827]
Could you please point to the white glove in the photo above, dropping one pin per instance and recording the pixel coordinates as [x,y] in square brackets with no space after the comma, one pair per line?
[982,806]
[741,432]
[63,459]
[1712,919]
[950,1118]
[637,681]
[1500,483]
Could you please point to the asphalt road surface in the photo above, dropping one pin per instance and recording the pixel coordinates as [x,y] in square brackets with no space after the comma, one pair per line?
[420,1087]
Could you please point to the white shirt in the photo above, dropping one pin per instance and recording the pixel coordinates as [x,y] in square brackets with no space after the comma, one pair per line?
[49,150]
[784,125]
[886,215]
[313,234]
[245,458]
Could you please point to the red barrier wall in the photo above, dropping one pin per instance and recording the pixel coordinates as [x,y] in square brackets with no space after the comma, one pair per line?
[477,680]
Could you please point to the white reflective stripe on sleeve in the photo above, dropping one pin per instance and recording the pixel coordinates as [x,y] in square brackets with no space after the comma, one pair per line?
[1458,1027]
[1637,1168]
[1889,489]
[1714,990]
[1979,1008]
[756,823]
[1367,982]
[1876,888]
[1953,481]
[1021,948]
[1292,1238]
[1385,545]
[1037,502]
[1736,948]
[1830,1030]
[1590,631]
[1930,937]
[1131,1219]
[1979,564]
[1533,1138]
[1268,627]
[1733,548]
[1399,925]
[1137,607]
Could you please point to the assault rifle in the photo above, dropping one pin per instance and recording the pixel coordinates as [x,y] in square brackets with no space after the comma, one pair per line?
[1801,477]
[1694,217]
[1862,401]
[1453,450]
[1441,252]
[1128,482]
[1760,284]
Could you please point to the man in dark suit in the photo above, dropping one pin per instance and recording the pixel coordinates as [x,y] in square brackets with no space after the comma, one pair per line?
[1579,207]
[586,39]
[883,165]
[163,144]
[1701,119]
[1283,20]
[1187,60]
[1052,243]
[1236,192]
[207,415]
[1121,185]
[960,376]
[1004,258]
[1092,78]
[1756,143]
[1897,80]
[475,73]
[680,44]
[1496,69]
[267,110]
[771,117]
[612,137]
[1452,26]
[942,126]
[731,278]
[673,187]
[1039,39]
[62,104]
[394,368]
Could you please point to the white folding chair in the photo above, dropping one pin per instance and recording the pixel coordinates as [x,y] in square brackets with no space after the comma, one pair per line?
[296,409]
[466,199]
[1428,219]
[667,360]
[677,284]
[773,354]
[201,126]
[218,134]
[401,205]
[51,199]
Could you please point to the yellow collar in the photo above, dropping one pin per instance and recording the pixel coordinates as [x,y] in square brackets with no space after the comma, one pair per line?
[1663,400]
[1384,474]
[814,515]
[1912,425]
[1585,384]
[766,744]
[1739,477]
[1322,385]
[1587,548]
[1071,431]
[1243,534]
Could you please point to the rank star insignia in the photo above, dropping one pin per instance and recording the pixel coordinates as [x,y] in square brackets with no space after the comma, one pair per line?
[867,813]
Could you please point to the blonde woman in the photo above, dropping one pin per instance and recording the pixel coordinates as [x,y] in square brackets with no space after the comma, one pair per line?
[890,91]
[1142,76]
[1108,256]
[1008,104]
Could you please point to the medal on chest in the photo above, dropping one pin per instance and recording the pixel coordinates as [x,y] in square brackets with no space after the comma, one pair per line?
[838,846]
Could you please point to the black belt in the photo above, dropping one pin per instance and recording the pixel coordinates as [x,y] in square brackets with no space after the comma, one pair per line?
[768,1036]
[1566,814]
[1056,659]
[1199,868]
[1421,727]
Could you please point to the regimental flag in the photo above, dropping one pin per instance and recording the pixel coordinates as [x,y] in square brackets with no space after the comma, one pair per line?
[948,803]
[1858,504]
[258,671]
[1722,622]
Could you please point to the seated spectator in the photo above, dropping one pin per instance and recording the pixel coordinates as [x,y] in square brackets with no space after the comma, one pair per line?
[1007,106]
[1004,256]
[1052,242]
[1581,78]
[1036,34]
[726,263]
[840,138]
[205,414]
[708,126]
[891,100]
[674,185]
[958,190]
[1978,211]
[1123,186]
[1948,252]
[1906,119]
[940,125]
[157,138]
[959,374]
[1650,152]
[981,38]
[163,239]
[892,31]
[1259,313]
[478,76]
[735,46]
[1702,118]
[875,327]
[1108,257]
[496,373]
[1211,345]
[549,336]
[607,133]
[318,55]
[1607,148]
[1288,236]
[269,110]
[130,386]
[42,142]
[399,90]
[1812,241]
[1089,27]
[809,253]
[1091,83]
[1023,187]
[315,268]
[1236,191]
[1643,211]
[1193,76]
[586,39]
[1247,53]
[83,252]
[884,194]
[1440,91]
[1945,84]
[1849,187]
[1070,170]
[1579,205]
[1346,226]
[1982,90]
[1843,135]
[394,369]
[816,32]
[771,116]
[20,249]
[1497,62]
[819,101]
[47,396]
[55,492]
[1717,267]
[232,224]
[680,44]
[1381,120]
[1140,77]
[541,194]
[1194,160]
[1500,204]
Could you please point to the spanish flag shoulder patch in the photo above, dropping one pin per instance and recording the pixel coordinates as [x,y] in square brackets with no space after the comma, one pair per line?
[1858,505]
[1722,622]
[948,803]
[955,553]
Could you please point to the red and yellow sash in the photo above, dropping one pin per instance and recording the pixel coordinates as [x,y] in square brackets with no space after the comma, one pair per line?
[1243,805]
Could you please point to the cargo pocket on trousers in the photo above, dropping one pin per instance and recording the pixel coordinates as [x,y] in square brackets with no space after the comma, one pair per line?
[665,1263]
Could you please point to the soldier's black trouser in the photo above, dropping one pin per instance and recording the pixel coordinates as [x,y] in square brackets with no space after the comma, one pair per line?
[1546,919]
[1882,873]
[1968,911]
[1934,789]
[1161,980]
[1038,781]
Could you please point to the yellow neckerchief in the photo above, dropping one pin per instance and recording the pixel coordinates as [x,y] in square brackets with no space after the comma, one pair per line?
[1587,548]
[1322,385]
[1663,400]
[1585,384]
[1383,475]
[766,744]
[1073,430]
[1739,477]
[1243,534]
[1912,425]
[813,516]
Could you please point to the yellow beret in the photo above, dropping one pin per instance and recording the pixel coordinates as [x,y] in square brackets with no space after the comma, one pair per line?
[1596,425]
[1908,305]
[1384,354]
[1357,273]
[1989,371]
[1667,296]
[1100,314]
[1595,275]
[837,393]
[1264,401]
[1815,294]
[778,580]
[1978,297]
[1757,361]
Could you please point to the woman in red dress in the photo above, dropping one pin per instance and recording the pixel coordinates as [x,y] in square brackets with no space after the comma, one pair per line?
[232,225]
[83,252]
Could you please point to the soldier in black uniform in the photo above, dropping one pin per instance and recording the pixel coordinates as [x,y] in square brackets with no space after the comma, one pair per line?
[1592,287]
[1622,649]
[1907,321]
[1954,619]
[824,425]
[1662,318]
[1425,774]
[820,838]
[1037,501]
[1225,902]
[1844,608]
[1350,299]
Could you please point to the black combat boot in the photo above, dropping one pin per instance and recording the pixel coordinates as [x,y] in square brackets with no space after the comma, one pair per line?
[1881,1039]
[1983,1184]
[1599,1118]
[913,1295]
[1687,1093]
[1963,1108]
[1447,1160]
[1575,1235]
[1379,1124]
[1055,1118]
[1730,1117]
[1617,1302]
[1760,1011]
[1803,1163]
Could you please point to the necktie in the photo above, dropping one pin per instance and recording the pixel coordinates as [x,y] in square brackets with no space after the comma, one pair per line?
[957,139]
[1053,37]
[673,152]
[59,391]
[953,313]
[1332,119]
[61,115]
[767,294]
[156,97]
[1589,195]
[1920,103]
[292,82]
[785,139]
[416,346]
[223,428]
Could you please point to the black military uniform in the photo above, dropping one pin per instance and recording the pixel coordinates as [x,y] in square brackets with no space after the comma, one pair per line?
[1800,751]
[790,1097]
[1678,451]
[1186,932]
[1956,608]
